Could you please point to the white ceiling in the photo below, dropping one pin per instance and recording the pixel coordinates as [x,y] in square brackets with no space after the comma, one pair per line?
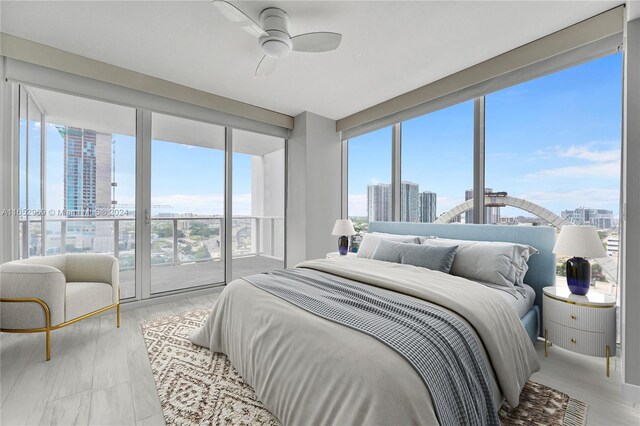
[388,48]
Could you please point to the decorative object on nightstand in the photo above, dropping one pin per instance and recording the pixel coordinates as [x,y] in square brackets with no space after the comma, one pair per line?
[580,242]
[344,229]
[582,324]
[355,244]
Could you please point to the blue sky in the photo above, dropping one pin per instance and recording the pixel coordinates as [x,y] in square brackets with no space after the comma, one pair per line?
[554,140]
[184,178]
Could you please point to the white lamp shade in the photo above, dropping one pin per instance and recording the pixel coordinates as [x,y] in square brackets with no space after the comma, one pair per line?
[579,241]
[343,227]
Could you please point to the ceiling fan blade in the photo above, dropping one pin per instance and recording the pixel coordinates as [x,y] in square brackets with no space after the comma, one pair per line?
[316,42]
[238,17]
[266,66]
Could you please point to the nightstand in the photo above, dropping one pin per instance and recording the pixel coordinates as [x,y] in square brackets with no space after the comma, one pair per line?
[336,254]
[582,324]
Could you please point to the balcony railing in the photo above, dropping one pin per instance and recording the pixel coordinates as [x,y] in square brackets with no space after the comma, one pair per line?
[174,240]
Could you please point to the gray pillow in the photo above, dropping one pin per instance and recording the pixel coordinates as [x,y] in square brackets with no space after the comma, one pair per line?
[437,258]
[500,263]
[370,242]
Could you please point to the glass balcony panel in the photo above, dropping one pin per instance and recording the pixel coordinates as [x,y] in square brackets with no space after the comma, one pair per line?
[257,227]
[187,204]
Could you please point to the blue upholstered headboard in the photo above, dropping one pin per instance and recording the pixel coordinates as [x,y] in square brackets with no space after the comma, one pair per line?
[542,266]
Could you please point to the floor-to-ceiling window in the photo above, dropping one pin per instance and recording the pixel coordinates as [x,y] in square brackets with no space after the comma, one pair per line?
[552,149]
[34,178]
[437,164]
[258,201]
[369,180]
[86,150]
[187,203]
[555,142]
[87,181]
[91,180]
[30,214]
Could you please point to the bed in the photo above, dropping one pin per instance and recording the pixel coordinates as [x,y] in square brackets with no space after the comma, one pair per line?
[542,266]
[310,368]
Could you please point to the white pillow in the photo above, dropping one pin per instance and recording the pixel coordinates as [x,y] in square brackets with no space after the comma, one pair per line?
[500,263]
[421,239]
[370,242]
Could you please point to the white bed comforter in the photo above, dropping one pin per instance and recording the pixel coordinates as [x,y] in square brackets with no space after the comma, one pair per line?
[308,370]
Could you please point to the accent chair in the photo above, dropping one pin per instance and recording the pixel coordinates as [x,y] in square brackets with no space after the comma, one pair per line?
[42,294]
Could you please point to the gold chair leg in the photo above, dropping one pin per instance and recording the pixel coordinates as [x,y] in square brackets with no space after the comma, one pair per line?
[48,344]
[608,351]
[118,315]
[546,342]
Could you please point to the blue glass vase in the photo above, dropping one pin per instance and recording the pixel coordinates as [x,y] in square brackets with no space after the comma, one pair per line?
[343,245]
[578,275]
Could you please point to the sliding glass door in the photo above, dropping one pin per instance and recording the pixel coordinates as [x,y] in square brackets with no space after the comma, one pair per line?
[77,179]
[187,204]
[148,188]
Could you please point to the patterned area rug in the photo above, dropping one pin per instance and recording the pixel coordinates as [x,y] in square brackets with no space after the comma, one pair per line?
[199,387]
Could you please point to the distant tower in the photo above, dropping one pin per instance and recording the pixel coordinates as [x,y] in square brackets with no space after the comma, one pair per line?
[87,174]
[87,181]
[409,202]
[491,214]
[428,206]
[379,202]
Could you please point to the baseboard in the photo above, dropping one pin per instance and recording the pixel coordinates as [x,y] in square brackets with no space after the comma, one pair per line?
[631,393]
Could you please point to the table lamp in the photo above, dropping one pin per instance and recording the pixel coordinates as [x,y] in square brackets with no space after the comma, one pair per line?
[579,242]
[344,229]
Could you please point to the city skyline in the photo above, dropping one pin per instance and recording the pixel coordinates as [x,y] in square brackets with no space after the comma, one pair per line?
[554,141]
[170,195]
[420,206]
[573,160]
[415,206]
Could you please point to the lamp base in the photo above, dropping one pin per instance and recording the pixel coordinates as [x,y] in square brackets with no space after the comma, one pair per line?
[343,245]
[578,275]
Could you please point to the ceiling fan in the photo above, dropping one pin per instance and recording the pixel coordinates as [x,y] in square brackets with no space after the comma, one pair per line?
[273,35]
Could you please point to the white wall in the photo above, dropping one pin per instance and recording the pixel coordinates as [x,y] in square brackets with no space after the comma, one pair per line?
[314,185]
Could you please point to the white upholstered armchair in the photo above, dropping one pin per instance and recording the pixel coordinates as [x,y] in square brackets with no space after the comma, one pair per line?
[42,294]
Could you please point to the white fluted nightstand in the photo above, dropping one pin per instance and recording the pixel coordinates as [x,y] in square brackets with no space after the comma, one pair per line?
[582,324]
[337,254]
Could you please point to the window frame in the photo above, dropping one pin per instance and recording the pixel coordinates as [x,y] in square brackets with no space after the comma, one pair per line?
[479,157]
[143,115]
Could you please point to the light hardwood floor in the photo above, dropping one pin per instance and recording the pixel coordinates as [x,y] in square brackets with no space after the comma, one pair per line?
[100,375]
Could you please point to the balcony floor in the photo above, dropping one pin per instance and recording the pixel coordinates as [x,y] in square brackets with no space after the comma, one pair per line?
[168,278]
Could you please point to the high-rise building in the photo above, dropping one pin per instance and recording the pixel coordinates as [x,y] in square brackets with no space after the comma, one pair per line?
[600,218]
[87,171]
[379,202]
[409,202]
[87,187]
[491,214]
[427,203]
[414,205]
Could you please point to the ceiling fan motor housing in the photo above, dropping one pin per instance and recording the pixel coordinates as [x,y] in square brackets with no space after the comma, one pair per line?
[276,23]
